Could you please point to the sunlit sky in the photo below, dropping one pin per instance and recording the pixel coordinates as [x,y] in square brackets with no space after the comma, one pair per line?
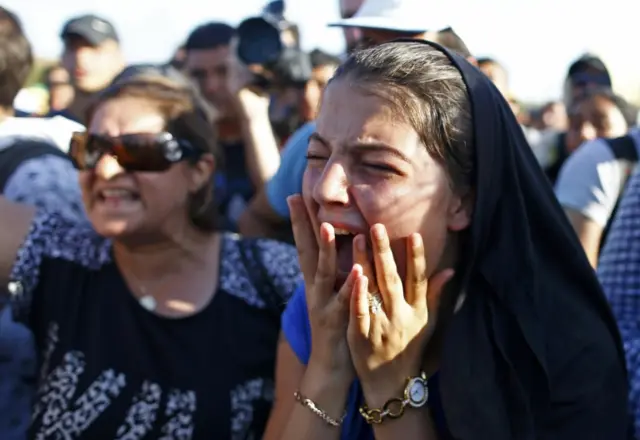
[536,40]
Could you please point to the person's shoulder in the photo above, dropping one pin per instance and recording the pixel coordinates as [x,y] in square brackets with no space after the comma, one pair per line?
[53,236]
[591,154]
[66,114]
[591,165]
[269,266]
[280,261]
[288,178]
[48,182]
[297,144]
[55,130]
[60,128]
[63,121]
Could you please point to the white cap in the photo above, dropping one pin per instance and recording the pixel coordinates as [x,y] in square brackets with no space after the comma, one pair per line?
[405,16]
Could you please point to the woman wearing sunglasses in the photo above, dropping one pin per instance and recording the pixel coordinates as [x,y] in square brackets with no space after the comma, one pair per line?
[465,307]
[150,323]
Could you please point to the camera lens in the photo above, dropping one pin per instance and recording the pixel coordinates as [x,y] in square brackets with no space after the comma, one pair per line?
[258,42]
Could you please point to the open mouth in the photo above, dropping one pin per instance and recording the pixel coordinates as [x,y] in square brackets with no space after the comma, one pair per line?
[344,250]
[344,254]
[117,197]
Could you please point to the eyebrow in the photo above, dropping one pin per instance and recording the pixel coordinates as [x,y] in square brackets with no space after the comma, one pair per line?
[368,146]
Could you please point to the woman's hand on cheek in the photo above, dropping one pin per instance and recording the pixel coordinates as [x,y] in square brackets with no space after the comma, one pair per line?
[328,311]
[387,347]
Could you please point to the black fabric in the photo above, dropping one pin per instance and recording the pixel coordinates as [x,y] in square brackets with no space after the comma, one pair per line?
[21,151]
[626,153]
[553,170]
[535,352]
[111,369]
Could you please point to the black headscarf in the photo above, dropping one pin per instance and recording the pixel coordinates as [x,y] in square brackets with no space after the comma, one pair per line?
[534,353]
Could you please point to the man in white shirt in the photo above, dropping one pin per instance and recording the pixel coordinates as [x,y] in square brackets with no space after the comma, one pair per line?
[589,185]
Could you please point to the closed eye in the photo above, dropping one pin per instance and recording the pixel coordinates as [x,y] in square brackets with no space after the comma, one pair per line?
[312,156]
[380,167]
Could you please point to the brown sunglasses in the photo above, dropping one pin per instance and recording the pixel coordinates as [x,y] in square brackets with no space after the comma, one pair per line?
[143,152]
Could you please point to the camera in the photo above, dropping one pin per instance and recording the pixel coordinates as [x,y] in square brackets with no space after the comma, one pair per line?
[268,45]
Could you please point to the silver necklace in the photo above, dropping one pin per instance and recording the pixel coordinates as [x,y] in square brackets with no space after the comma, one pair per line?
[145,300]
[148,302]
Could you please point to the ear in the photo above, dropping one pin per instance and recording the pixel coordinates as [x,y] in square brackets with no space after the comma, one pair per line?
[473,61]
[201,172]
[461,211]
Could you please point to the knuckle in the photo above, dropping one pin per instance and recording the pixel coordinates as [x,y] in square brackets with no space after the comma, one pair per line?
[420,278]
[324,274]
[392,279]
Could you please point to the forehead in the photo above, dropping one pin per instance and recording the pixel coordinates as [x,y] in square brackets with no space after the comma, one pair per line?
[75,42]
[348,115]
[126,115]
[198,58]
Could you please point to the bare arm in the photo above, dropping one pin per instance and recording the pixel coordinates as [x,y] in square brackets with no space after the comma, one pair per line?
[292,421]
[589,233]
[260,220]
[261,149]
[16,222]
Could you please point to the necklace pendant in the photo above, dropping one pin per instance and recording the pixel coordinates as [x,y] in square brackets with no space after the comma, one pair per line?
[148,302]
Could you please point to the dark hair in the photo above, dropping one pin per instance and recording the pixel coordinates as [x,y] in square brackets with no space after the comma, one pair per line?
[452,41]
[422,85]
[209,36]
[320,58]
[488,60]
[185,120]
[16,58]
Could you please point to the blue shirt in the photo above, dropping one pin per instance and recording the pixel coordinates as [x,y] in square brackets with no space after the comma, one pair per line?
[619,274]
[297,330]
[288,179]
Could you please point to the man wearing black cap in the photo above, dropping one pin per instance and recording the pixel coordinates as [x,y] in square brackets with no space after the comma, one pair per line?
[587,72]
[93,57]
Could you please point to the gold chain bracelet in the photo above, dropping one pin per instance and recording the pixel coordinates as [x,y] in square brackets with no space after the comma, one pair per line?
[416,395]
[310,404]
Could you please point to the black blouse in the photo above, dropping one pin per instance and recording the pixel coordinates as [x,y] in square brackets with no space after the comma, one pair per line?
[110,369]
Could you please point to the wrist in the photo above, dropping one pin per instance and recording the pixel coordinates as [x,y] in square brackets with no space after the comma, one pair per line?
[324,376]
[328,391]
[379,393]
